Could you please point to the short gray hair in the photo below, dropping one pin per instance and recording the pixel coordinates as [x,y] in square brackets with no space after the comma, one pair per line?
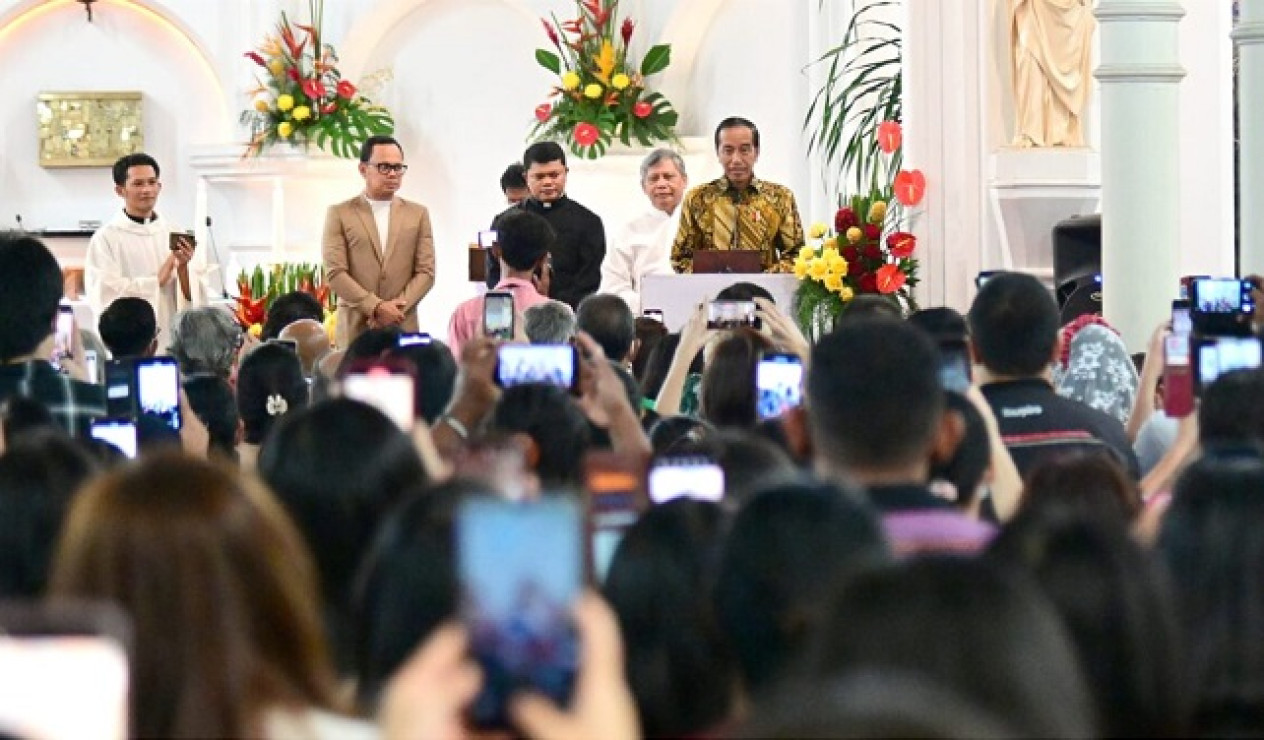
[205,340]
[658,155]
[551,322]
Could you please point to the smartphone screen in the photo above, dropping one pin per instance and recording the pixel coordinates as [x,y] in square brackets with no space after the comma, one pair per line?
[63,338]
[672,478]
[176,238]
[158,390]
[119,381]
[498,316]
[731,314]
[119,432]
[981,279]
[778,384]
[385,389]
[615,502]
[1225,354]
[653,313]
[90,366]
[409,340]
[554,364]
[1182,324]
[521,570]
[954,366]
[487,239]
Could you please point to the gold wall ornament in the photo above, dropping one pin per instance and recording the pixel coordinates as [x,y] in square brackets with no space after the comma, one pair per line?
[89,129]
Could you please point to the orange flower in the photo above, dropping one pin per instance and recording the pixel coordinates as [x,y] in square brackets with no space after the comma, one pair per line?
[890,278]
[910,186]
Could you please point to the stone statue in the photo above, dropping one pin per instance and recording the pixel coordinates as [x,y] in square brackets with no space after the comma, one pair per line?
[1052,44]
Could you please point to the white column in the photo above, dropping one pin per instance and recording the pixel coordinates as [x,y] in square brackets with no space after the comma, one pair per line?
[1140,74]
[1249,36]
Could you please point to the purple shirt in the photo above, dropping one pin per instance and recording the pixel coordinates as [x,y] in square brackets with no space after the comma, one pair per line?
[467,319]
[918,522]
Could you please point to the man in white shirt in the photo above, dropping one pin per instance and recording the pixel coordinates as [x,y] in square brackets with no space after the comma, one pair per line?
[643,246]
[139,254]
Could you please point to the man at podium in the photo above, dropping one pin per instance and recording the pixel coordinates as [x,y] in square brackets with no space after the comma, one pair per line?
[739,211]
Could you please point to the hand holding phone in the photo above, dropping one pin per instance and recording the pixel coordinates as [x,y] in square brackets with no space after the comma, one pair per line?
[554,364]
[177,240]
[954,366]
[388,386]
[691,477]
[157,384]
[778,384]
[731,315]
[64,335]
[498,316]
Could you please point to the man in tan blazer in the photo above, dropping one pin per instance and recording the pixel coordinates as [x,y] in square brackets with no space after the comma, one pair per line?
[377,248]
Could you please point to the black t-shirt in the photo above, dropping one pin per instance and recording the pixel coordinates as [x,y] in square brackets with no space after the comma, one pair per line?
[577,254]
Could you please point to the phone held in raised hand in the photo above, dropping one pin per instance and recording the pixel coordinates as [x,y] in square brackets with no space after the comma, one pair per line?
[498,315]
[387,385]
[686,476]
[778,384]
[553,364]
[157,385]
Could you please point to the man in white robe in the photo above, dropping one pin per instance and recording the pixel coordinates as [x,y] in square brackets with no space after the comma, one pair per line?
[134,254]
[643,246]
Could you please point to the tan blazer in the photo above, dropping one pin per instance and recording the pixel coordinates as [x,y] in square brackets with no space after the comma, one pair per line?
[362,276]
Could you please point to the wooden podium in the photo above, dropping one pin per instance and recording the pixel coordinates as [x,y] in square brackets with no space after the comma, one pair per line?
[678,295]
[477,267]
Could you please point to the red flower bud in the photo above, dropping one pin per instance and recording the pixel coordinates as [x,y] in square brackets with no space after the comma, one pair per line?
[872,252]
[346,90]
[851,254]
[292,73]
[586,134]
[642,109]
[855,267]
[869,283]
[329,107]
[844,220]
[873,232]
[626,30]
[252,56]
[548,28]
[543,112]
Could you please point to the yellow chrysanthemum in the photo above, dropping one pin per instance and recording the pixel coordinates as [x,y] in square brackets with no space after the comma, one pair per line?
[877,212]
[284,129]
[828,254]
[818,269]
[255,330]
[818,230]
[807,253]
[620,81]
[854,234]
[262,105]
[801,268]
[570,81]
[834,282]
[285,102]
[593,91]
[276,65]
[830,243]
[846,294]
[838,266]
[302,113]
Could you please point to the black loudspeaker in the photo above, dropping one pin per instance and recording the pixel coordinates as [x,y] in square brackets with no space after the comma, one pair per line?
[1077,253]
[1079,297]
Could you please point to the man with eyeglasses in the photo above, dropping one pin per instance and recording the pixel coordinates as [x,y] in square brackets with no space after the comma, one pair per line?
[378,248]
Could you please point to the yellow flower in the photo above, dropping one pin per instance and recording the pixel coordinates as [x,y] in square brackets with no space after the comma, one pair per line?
[302,113]
[834,282]
[285,102]
[570,81]
[818,230]
[877,212]
[284,129]
[846,294]
[854,234]
[256,330]
[331,326]
[276,66]
[801,268]
[261,105]
[593,91]
[830,243]
[807,253]
[829,254]
[838,266]
[620,81]
[818,268]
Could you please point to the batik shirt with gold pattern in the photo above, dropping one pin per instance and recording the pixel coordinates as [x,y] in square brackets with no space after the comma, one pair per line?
[765,215]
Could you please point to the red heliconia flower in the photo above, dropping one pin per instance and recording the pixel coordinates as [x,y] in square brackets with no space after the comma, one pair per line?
[600,15]
[873,232]
[910,186]
[626,30]
[543,112]
[346,90]
[574,26]
[901,244]
[313,89]
[890,136]
[552,32]
[642,109]
[890,278]
[586,134]
[844,220]
[254,57]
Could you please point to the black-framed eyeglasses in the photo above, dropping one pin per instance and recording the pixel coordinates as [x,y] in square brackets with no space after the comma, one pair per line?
[387,168]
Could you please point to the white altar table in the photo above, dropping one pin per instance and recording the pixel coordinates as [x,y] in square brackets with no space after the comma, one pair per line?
[678,295]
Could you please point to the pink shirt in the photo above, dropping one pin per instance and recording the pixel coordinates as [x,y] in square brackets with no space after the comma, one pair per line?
[467,319]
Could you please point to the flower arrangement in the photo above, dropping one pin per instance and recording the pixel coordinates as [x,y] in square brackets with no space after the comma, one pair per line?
[867,251]
[303,98]
[600,93]
[257,291]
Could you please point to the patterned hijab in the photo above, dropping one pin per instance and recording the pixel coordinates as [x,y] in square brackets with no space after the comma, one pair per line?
[1096,368]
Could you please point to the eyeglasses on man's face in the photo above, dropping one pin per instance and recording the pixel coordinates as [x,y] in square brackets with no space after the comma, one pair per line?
[387,168]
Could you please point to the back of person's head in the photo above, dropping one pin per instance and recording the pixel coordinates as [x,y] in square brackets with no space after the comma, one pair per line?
[21,416]
[270,384]
[728,395]
[212,400]
[559,432]
[129,328]
[1095,486]
[435,377]
[1096,370]
[678,663]
[789,547]
[138,159]
[543,152]
[874,398]
[205,339]
[970,462]
[513,178]
[670,433]
[288,308]
[608,320]
[1014,325]
[751,463]
[974,628]
[870,306]
[219,589]
[658,363]
[310,339]
[38,478]
[550,322]
[744,291]
[524,239]
[1116,609]
[370,345]
[649,332]
[941,323]
[30,290]
[1231,411]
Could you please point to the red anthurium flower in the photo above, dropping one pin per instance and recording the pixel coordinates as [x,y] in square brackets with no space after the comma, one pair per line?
[642,109]
[346,90]
[626,31]
[901,244]
[873,232]
[586,134]
[844,220]
[548,28]
[313,89]
[910,186]
[254,57]
[543,111]
[890,136]
[890,278]
[329,107]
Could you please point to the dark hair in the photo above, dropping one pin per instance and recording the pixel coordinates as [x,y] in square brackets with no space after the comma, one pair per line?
[549,416]
[435,377]
[267,372]
[1014,325]
[608,320]
[128,327]
[659,363]
[21,416]
[524,238]
[366,149]
[288,308]
[30,289]
[751,463]
[370,345]
[728,395]
[514,177]
[128,161]
[941,323]
[39,476]
[870,306]
[679,666]
[543,152]
[649,333]
[1116,609]
[969,626]
[736,122]
[211,399]
[789,547]
[973,456]
[744,291]
[874,396]
[1231,411]
[679,432]
[338,467]
[1094,486]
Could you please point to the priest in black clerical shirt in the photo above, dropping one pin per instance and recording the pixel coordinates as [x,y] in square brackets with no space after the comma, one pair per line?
[581,237]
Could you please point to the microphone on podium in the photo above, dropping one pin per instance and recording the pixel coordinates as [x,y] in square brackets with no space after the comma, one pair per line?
[223,276]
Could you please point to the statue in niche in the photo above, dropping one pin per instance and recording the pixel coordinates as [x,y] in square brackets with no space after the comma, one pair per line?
[1052,45]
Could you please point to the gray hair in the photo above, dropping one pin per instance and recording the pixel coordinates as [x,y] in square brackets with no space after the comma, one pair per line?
[205,340]
[658,155]
[551,322]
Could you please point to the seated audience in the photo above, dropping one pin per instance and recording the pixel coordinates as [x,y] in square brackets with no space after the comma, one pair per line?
[751,463]
[963,478]
[728,395]
[270,384]
[1090,486]
[1095,368]
[20,416]
[288,308]
[552,430]
[206,340]
[671,433]
[212,401]
[435,376]
[649,332]
[551,322]
[608,320]
[129,328]
[312,341]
